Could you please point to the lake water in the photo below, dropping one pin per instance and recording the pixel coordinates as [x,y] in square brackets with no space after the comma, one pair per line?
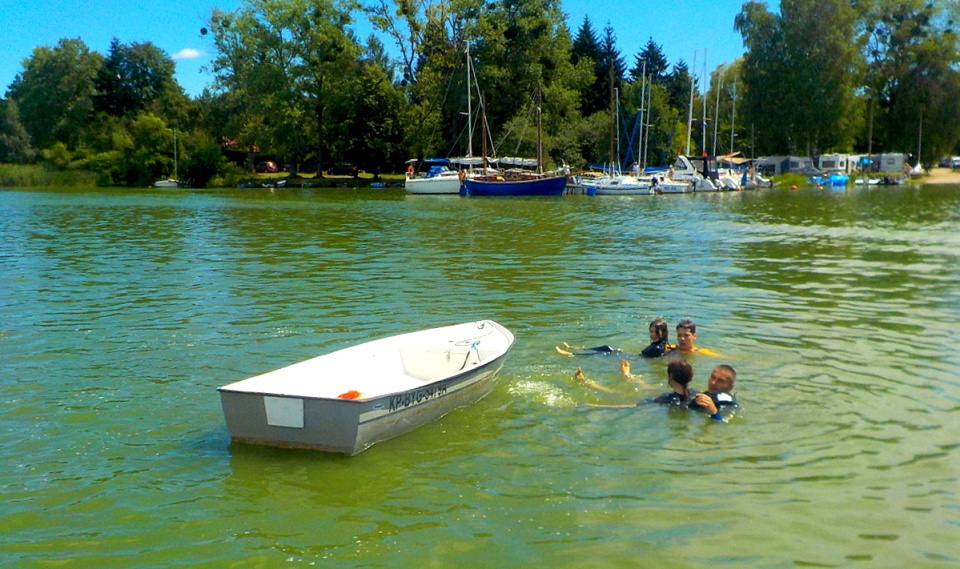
[122,311]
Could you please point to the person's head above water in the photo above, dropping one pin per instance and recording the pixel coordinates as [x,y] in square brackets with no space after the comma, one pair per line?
[679,375]
[722,379]
[686,334]
[659,331]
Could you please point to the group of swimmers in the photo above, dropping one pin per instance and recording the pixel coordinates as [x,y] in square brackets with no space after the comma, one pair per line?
[718,400]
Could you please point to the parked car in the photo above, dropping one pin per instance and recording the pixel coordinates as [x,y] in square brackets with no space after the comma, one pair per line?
[343,170]
[267,166]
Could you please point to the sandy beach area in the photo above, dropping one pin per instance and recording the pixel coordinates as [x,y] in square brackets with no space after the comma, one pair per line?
[939,176]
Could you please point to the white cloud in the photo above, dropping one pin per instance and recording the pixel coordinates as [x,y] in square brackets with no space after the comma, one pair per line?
[188,53]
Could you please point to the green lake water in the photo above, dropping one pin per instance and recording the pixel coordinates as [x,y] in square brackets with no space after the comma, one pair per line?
[122,311]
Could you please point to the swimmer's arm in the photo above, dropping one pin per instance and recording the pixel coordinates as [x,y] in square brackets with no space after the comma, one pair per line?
[582,379]
[709,406]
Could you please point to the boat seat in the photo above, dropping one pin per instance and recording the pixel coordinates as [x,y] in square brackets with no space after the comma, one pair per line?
[431,363]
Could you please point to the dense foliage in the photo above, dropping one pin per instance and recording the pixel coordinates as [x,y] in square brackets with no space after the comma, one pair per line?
[294,85]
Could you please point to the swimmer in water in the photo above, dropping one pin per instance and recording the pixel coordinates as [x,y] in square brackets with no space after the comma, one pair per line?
[659,334]
[718,401]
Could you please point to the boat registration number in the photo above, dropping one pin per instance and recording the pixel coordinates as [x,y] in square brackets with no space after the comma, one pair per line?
[404,400]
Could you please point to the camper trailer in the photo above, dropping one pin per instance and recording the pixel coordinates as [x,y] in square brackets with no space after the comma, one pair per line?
[890,162]
[842,163]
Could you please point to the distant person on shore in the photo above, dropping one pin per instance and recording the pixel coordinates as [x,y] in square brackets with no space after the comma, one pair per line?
[718,400]
[659,334]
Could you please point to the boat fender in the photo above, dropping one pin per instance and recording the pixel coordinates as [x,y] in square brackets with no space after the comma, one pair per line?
[352,394]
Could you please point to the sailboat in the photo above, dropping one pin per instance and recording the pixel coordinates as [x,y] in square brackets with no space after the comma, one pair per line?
[617,183]
[173,182]
[440,179]
[516,182]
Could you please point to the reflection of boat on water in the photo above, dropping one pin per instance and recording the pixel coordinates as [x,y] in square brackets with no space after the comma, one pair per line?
[347,400]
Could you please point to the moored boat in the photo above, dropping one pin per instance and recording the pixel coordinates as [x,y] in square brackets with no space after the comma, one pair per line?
[349,399]
[703,174]
[834,179]
[518,185]
[624,185]
[437,180]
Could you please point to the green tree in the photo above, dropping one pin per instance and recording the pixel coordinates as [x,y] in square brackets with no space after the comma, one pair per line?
[763,66]
[800,72]
[651,59]
[149,155]
[54,92]
[522,48]
[133,77]
[374,124]
[14,140]
[725,85]
[912,81]
[586,49]
[284,62]
[611,60]
[677,85]
[429,36]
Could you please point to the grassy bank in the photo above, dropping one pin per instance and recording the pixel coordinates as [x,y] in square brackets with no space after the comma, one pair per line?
[34,175]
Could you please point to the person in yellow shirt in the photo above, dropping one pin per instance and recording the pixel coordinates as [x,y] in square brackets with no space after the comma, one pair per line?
[686,338]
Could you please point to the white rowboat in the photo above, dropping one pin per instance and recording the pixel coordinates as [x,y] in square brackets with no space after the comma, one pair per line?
[347,400]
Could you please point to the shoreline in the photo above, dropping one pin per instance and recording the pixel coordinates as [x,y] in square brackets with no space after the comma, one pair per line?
[937,176]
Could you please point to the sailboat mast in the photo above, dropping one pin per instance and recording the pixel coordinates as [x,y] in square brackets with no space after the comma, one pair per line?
[733,114]
[175,175]
[643,100]
[693,73]
[483,133]
[646,137]
[539,131]
[469,107]
[616,117]
[613,118]
[716,115]
[703,125]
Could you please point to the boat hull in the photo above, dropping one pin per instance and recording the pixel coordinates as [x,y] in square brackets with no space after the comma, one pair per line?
[437,185]
[433,372]
[623,191]
[539,187]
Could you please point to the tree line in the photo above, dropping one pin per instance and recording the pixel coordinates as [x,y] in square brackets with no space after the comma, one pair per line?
[293,83]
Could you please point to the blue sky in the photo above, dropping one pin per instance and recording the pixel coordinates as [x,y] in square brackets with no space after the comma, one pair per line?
[174,26]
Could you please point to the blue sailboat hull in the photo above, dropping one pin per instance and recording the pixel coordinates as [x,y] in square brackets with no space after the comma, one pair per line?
[541,187]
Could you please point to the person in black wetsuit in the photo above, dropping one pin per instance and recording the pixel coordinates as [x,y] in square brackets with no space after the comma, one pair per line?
[659,334]
[718,401]
[679,376]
